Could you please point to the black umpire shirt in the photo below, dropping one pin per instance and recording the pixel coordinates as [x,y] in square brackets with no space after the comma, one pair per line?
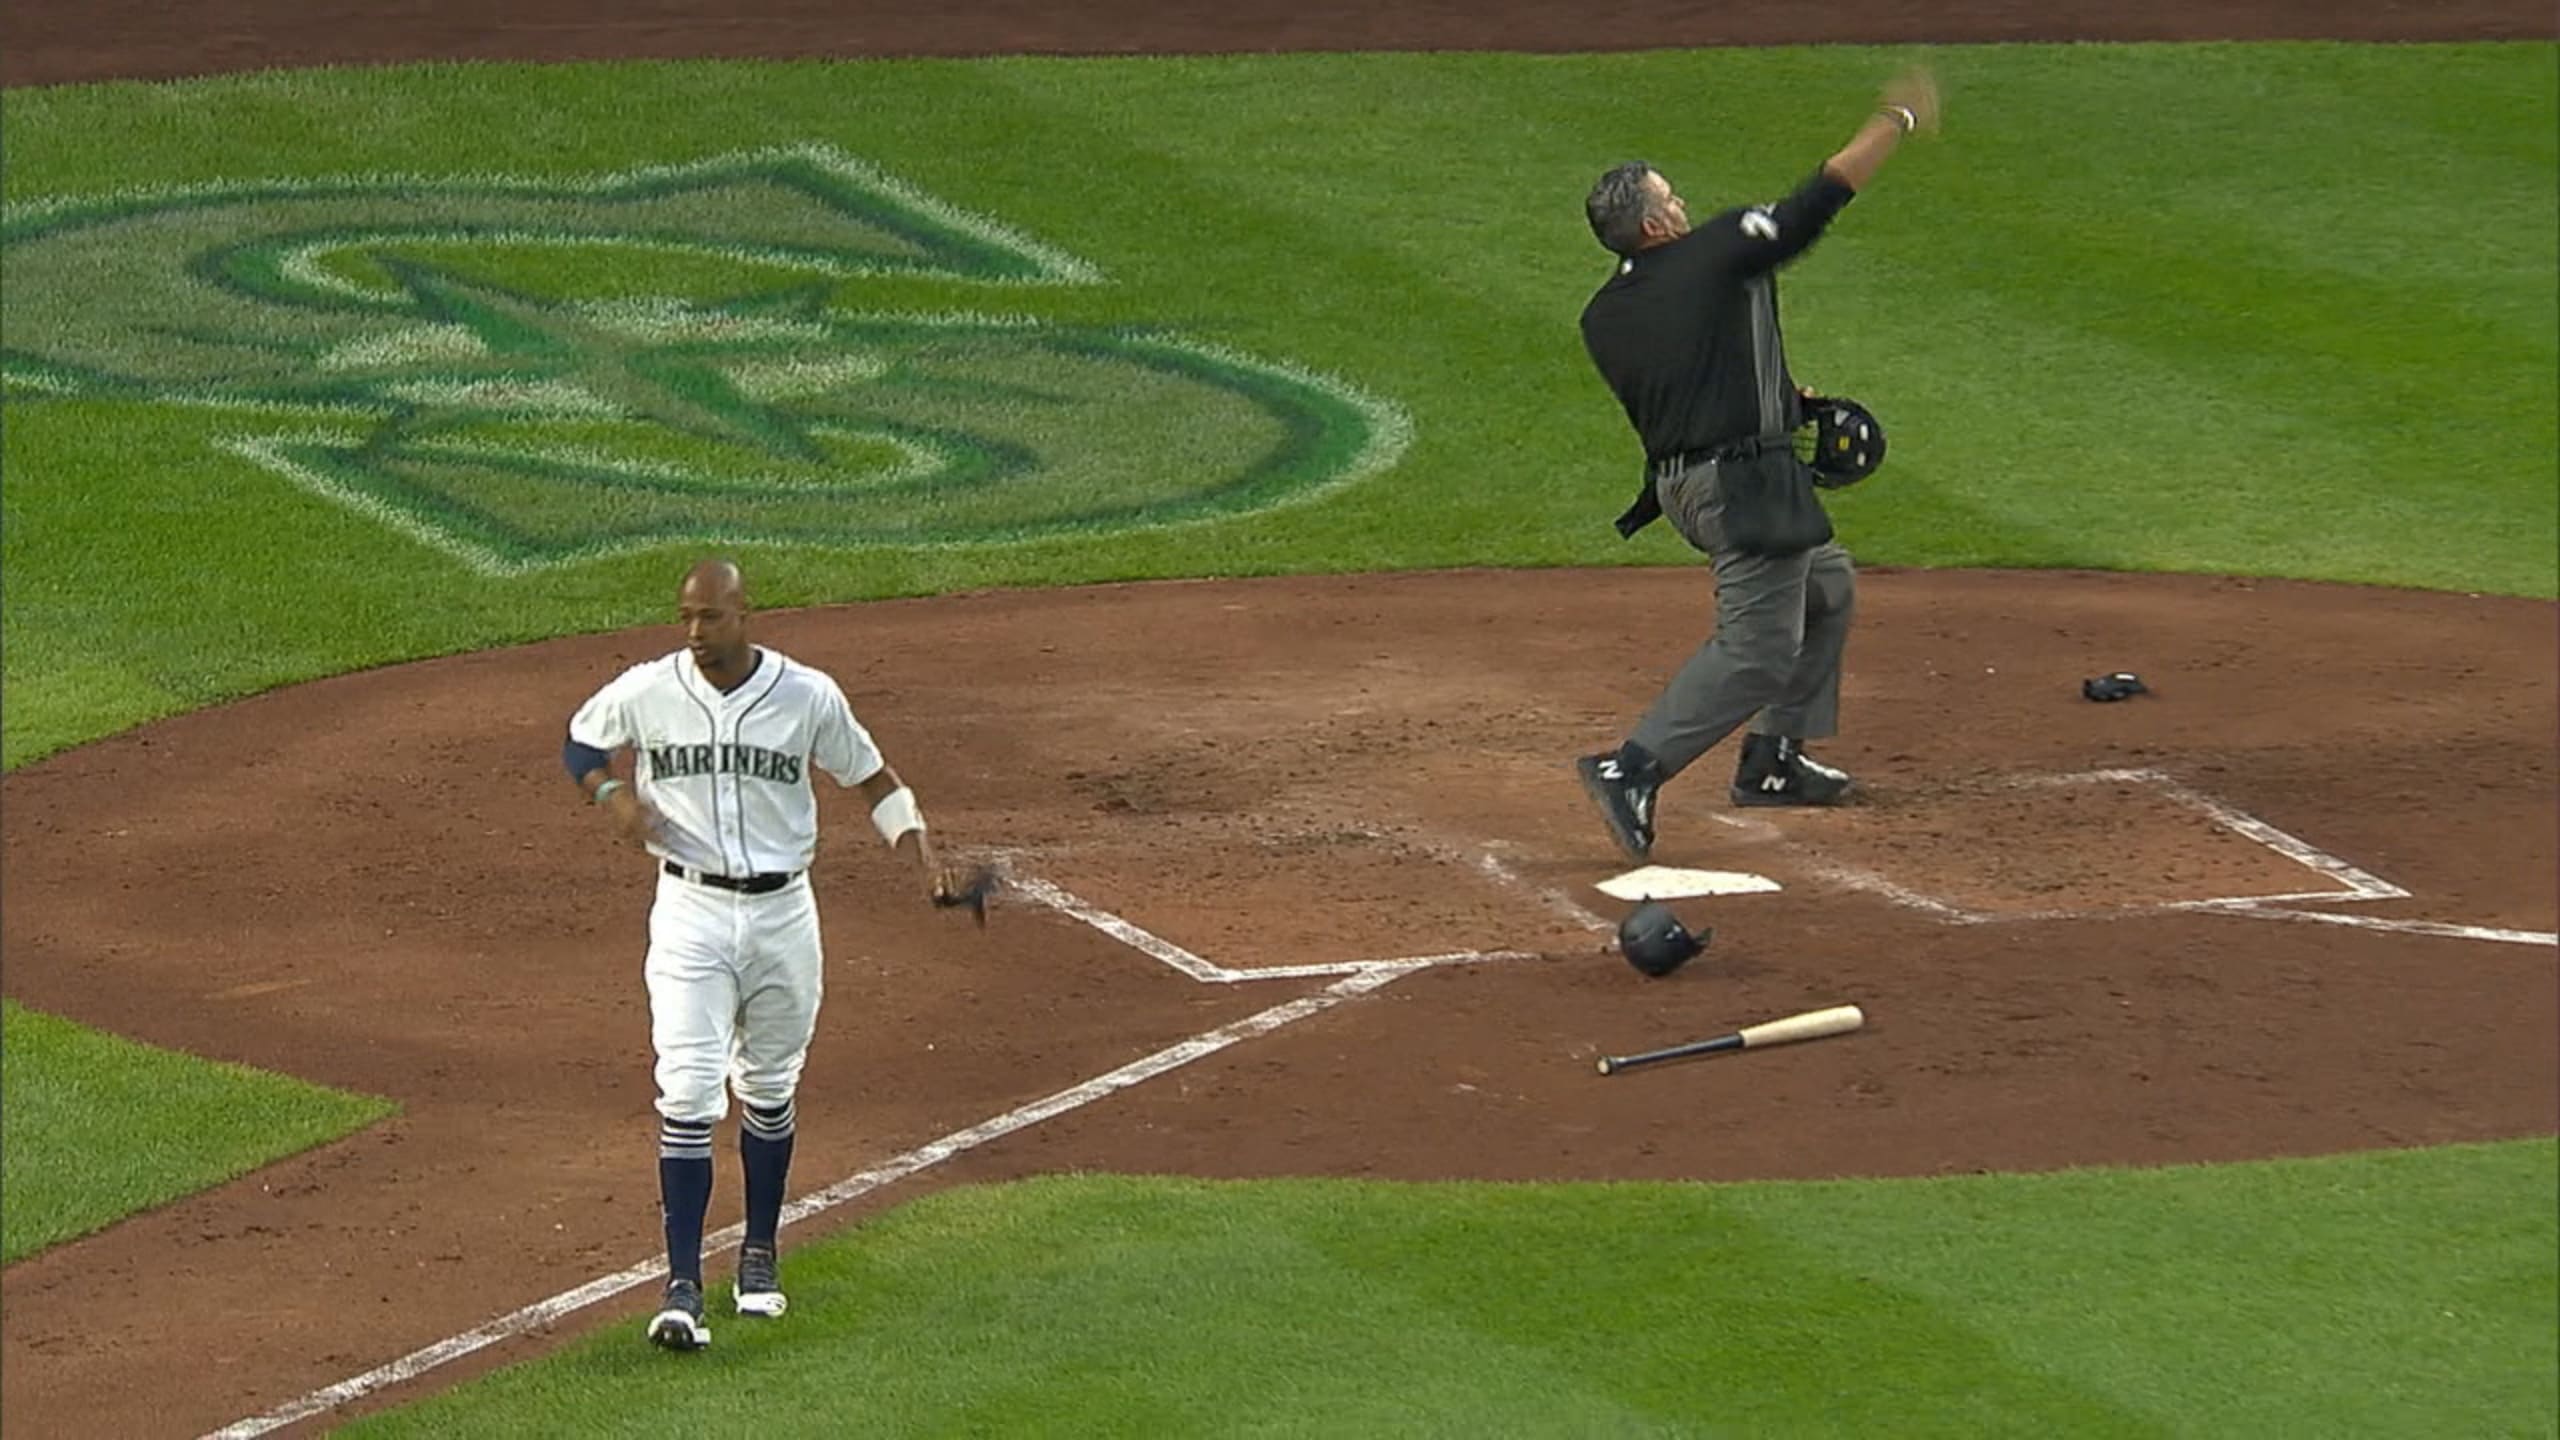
[1686,333]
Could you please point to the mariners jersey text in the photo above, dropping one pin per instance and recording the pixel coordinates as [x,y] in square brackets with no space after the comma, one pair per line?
[729,772]
[669,762]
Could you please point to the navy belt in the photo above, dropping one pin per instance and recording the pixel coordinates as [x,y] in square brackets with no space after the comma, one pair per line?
[746,885]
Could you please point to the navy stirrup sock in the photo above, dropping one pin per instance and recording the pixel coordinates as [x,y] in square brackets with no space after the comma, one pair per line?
[684,1192]
[764,1150]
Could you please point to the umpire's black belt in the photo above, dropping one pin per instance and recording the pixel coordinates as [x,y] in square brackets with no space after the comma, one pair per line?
[1747,446]
[1647,507]
[764,884]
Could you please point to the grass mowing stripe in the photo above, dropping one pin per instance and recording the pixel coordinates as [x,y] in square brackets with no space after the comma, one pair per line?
[100,1128]
[2196,1300]
[1748,1328]
[2277,356]
[2424,1284]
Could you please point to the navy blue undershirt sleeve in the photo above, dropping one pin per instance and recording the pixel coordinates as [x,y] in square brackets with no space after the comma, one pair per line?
[582,760]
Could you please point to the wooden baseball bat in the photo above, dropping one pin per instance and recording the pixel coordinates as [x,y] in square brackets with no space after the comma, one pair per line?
[1811,1025]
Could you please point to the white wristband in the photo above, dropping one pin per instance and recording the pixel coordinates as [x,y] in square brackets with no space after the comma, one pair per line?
[1902,115]
[605,789]
[895,815]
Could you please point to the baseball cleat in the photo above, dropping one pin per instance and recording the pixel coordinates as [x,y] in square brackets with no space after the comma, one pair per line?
[1625,798]
[678,1323]
[1775,771]
[759,1283]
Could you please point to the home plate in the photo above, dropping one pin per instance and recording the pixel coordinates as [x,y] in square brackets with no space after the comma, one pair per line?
[1662,882]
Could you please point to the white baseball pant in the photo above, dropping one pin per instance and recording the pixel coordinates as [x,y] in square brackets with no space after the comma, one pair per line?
[734,982]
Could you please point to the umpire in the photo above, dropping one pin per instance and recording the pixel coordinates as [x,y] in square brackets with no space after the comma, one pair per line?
[1685,332]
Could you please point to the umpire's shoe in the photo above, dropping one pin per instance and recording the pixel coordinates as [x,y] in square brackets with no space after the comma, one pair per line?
[678,1324]
[1623,784]
[1776,771]
[759,1282]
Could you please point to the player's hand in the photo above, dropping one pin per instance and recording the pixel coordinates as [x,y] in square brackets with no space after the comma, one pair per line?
[637,822]
[1915,90]
[954,887]
[966,888]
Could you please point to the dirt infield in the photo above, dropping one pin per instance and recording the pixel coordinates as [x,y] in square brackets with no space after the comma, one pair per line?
[51,42]
[376,881]
[411,907]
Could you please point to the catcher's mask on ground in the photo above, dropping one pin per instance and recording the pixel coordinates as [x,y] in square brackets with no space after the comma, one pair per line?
[1846,441]
[1655,941]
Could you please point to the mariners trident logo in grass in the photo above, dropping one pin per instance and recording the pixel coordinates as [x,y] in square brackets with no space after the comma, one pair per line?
[781,347]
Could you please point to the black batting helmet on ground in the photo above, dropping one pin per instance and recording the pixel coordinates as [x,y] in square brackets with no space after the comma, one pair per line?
[1655,941]
[1847,441]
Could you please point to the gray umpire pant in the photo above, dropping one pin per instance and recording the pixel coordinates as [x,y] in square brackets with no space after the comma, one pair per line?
[1781,623]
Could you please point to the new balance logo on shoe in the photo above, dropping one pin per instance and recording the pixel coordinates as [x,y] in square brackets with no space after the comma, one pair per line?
[1776,771]
[1625,802]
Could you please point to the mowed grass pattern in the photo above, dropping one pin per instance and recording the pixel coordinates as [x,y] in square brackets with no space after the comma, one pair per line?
[2275,309]
[100,1127]
[2191,1301]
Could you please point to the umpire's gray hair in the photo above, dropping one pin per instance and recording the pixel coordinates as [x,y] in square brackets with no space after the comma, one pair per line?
[1619,205]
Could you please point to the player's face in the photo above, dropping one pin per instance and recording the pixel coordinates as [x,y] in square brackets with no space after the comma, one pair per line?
[1669,219]
[715,626]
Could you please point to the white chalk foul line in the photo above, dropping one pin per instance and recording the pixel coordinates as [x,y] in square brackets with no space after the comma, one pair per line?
[1172,1057]
[419,1362]
[2439,928]
[1399,963]
[544,1312]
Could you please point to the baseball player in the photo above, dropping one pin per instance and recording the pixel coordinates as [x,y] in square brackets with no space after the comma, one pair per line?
[724,735]
[1685,332]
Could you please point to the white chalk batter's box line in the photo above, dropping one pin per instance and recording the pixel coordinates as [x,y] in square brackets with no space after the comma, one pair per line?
[1207,972]
[1351,979]
[2352,883]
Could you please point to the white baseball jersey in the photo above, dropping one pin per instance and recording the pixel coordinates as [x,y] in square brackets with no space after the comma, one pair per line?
[730,773]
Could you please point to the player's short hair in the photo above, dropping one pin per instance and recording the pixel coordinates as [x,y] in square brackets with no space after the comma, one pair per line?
[1619,205]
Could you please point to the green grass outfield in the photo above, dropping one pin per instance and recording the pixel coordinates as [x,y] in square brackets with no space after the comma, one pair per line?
[99,1127]
[2285,310]
[2282,310]
[2305,1298]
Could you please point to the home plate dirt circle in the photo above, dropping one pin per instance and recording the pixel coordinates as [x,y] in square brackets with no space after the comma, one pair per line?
[2079,933]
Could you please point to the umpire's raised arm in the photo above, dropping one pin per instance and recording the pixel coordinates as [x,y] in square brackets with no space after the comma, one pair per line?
[1763,237]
